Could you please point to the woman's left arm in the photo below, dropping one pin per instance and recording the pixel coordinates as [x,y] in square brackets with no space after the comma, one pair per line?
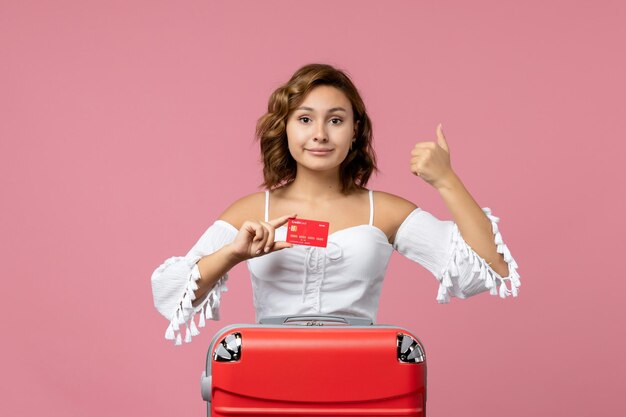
[431,162]
[473,224]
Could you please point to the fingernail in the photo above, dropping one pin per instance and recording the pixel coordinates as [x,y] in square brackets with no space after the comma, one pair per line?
[259,251]
[267,249]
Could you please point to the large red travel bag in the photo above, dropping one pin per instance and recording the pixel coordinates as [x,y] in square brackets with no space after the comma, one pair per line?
[315,366]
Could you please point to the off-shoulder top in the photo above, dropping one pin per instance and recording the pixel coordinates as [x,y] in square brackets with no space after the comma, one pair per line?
[344,278]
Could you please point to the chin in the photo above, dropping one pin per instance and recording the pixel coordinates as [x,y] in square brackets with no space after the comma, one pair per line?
[320,167]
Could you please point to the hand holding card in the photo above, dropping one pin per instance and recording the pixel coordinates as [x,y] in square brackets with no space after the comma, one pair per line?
[307,232]
[256,238]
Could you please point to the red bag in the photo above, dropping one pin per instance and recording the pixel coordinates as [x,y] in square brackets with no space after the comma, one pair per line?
[315,366]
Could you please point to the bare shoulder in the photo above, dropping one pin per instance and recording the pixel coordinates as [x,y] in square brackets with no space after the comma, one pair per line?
[249,207]
[390,211]
[392,205]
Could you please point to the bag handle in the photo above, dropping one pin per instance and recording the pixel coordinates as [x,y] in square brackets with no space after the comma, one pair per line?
[316,320]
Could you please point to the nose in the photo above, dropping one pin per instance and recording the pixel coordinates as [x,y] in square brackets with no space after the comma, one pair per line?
[320,134]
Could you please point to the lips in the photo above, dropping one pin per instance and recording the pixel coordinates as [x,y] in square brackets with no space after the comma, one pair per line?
[319,151]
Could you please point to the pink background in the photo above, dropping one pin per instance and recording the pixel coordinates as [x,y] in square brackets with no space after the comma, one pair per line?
[127,127]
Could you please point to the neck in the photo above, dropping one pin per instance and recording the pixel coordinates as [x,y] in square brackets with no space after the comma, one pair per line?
[315,185]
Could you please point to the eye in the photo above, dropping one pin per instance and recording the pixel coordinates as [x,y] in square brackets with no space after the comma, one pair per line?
[336,121]
[304,119]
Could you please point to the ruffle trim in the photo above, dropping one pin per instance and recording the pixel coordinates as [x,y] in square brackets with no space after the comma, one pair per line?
[463,253]
[185,314]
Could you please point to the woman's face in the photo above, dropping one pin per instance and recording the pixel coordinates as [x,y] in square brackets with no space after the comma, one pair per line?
[321,129]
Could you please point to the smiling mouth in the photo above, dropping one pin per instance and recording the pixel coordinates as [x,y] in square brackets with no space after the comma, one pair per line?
[319,151]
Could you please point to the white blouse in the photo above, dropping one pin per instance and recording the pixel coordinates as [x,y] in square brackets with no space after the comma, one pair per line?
[345,278]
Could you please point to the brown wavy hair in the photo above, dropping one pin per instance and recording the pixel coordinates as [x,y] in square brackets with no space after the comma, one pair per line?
[279,167]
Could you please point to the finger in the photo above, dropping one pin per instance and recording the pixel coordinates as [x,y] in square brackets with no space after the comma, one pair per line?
[279,221]
[423,145]
[259,231]
[270,236]
[441,139]
[417,167]
[260,243]
[417,160]
[423,148]
[280,246]
[252,229]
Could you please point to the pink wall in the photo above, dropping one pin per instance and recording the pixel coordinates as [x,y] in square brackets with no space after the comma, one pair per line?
[127,127]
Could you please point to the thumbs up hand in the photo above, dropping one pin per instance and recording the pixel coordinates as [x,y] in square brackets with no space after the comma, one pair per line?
[431,160]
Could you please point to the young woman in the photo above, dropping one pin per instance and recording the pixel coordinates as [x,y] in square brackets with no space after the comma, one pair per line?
[316,144]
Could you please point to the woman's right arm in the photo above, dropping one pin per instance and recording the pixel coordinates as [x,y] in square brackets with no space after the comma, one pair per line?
[177,280]
[211,268]
[254,238]
[185,286]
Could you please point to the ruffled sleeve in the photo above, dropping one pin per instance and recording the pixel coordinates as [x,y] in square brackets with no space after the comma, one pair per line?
[174,283]
[439,247]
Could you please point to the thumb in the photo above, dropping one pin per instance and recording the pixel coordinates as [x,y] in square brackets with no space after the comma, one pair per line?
[441,139]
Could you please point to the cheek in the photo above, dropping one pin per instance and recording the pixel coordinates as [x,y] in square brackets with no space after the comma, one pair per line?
[292,148]
[345,134]
[293,144]
[295,136]
[290,137]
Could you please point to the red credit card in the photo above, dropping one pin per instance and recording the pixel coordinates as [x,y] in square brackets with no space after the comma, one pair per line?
[307,232]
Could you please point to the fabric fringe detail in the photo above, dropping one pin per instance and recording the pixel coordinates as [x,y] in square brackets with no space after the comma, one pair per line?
[463,253]
[187,301]
[174,323]
[186,312]
[193,328]
[201,322]
[169,333]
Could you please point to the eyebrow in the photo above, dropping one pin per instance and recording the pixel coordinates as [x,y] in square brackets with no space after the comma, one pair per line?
[329,110]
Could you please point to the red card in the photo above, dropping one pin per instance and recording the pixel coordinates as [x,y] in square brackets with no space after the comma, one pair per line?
[307,232]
